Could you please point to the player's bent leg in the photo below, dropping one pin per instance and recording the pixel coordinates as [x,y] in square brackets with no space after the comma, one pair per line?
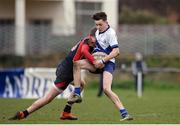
[44,100]
[107,81]
[66,114]
[77,66]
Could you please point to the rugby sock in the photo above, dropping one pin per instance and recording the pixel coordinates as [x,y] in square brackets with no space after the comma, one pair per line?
[123,112]
[77,90]
[67,108]
[26,113]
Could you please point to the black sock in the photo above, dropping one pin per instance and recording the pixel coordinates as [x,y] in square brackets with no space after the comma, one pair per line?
[67,108]
[26,113]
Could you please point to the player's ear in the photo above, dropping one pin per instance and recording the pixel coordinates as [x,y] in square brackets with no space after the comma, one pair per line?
[90,37]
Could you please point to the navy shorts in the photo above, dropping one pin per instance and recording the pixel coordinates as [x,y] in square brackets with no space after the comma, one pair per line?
[64,74]
[109,67]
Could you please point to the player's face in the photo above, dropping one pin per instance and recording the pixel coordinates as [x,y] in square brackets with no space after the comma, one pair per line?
[92,42]
[101,25]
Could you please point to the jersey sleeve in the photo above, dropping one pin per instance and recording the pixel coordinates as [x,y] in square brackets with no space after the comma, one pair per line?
[87,54]
[112,39]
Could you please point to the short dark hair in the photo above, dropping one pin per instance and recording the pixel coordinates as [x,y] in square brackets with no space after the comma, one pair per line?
[99,16]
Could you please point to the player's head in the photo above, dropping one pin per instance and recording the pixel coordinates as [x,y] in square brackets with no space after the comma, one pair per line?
[138,56]
[92,38]
[100,19]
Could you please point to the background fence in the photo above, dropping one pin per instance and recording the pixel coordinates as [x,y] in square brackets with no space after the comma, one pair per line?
[150,39]
[147,39]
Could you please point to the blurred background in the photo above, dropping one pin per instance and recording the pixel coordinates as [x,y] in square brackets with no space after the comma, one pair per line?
[39,28]
[39,33]
[35,35]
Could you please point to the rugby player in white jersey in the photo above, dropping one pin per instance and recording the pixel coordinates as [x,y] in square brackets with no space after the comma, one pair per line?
[107,43]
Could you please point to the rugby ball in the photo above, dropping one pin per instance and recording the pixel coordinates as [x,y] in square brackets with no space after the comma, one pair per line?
[99,55]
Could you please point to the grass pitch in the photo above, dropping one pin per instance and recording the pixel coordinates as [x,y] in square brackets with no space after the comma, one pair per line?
[156,106]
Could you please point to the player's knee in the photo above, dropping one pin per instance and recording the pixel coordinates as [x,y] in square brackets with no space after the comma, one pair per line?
[106,90]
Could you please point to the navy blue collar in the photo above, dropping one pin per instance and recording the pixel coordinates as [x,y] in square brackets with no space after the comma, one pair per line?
[105,30]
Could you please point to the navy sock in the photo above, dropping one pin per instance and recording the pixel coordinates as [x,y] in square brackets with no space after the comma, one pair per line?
[123,112]
[67,108]
[77,90]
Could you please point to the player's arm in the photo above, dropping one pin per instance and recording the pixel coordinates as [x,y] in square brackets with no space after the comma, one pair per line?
[112,39]
[114,53]
[90,58]
[87,54]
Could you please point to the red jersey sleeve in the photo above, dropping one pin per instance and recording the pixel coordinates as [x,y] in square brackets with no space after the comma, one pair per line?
[86,53]
[78,53]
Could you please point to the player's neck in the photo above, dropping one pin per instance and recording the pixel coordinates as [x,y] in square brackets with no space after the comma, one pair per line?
[105,29]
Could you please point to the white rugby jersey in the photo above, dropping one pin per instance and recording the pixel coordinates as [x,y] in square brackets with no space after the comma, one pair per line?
[106,41]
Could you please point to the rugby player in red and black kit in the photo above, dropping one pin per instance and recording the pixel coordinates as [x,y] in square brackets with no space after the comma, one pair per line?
[64,76]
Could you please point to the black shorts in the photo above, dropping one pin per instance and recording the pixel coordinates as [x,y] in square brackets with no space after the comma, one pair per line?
[64,74]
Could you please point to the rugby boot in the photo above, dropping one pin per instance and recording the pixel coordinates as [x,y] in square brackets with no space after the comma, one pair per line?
[127,118]
[18,116]
[68,116]
[75,99]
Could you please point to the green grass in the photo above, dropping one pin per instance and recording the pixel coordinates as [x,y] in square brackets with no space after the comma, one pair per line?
[156,106]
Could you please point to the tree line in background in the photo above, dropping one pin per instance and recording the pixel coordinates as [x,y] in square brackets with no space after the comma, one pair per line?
[149,11]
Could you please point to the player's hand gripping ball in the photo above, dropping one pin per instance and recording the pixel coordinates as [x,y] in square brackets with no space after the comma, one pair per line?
[99,56]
